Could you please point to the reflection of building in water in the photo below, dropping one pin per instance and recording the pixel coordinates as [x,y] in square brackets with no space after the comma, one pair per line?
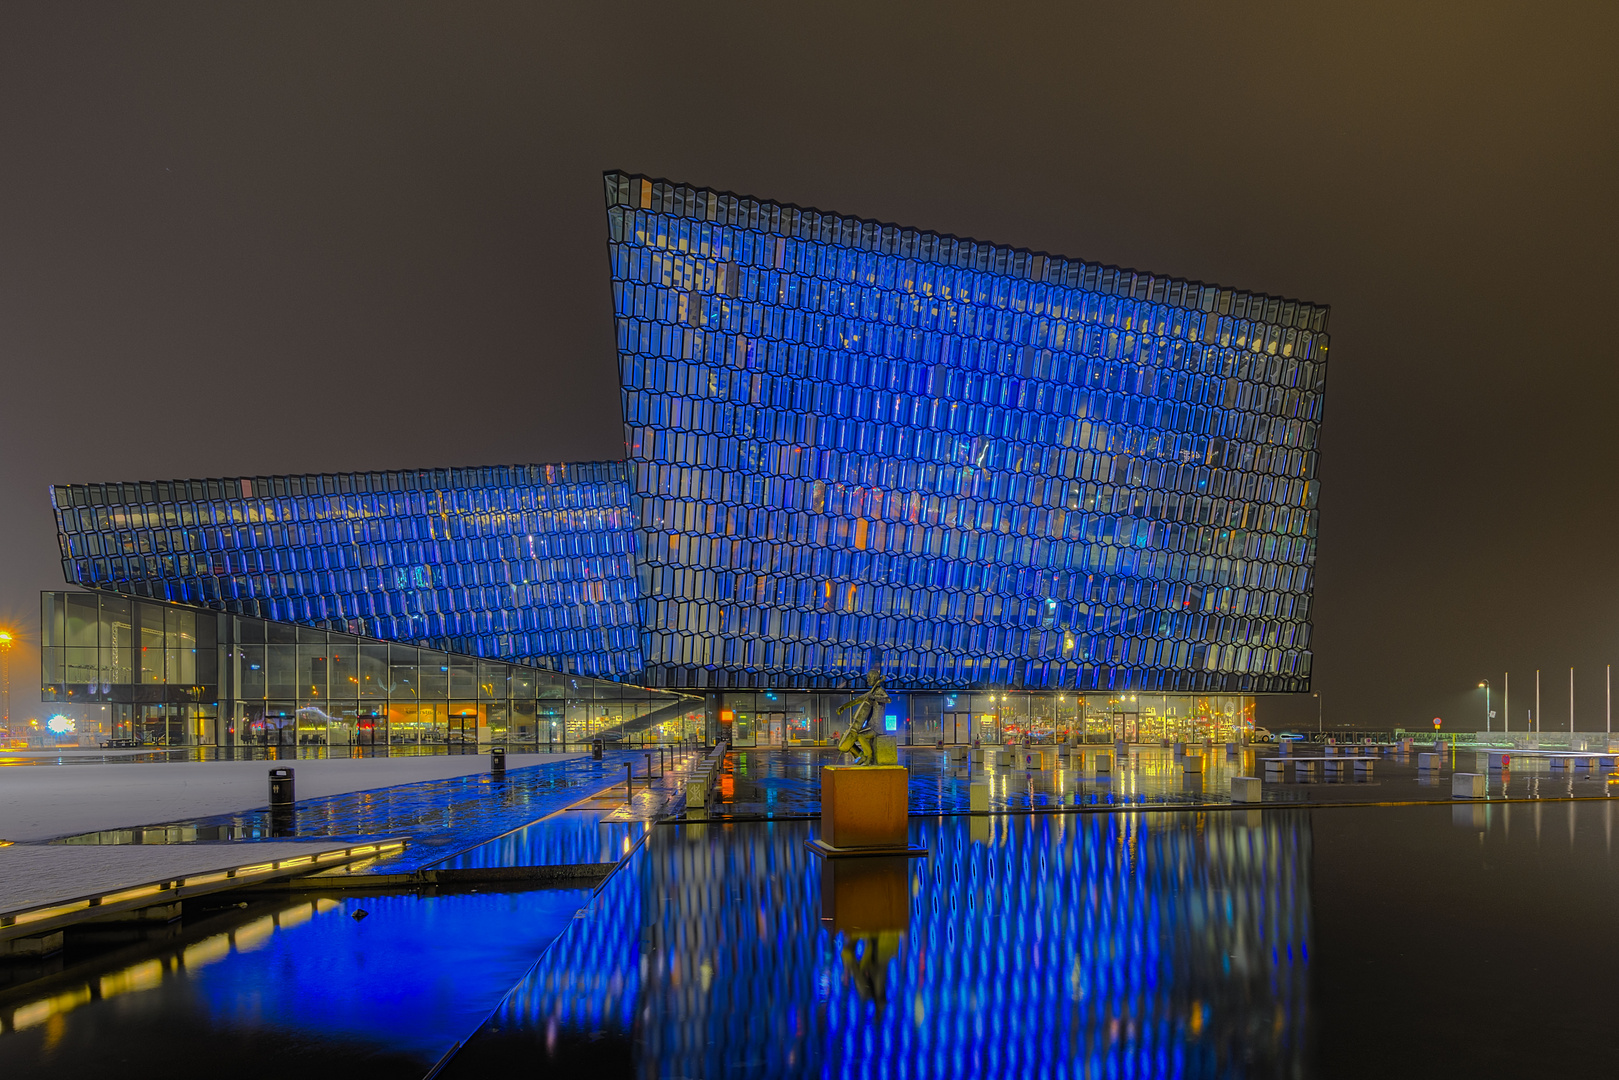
[1102,945]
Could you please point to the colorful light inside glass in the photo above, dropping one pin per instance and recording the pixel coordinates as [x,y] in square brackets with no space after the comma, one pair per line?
[981,466]
[529,562]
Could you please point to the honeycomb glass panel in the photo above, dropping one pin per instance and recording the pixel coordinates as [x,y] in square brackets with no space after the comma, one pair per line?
[852,442]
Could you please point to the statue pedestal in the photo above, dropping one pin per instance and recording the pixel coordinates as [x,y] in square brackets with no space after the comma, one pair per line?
[863,811]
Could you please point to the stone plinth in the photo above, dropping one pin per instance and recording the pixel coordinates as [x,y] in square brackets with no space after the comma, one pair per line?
[863,810]
[978,797]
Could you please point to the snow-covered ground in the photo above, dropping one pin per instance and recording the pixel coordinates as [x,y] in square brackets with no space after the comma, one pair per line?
[30,876]
[38,802]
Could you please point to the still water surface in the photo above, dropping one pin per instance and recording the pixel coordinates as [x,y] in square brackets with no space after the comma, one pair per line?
[1358,942]
[294,988]
[1370,941]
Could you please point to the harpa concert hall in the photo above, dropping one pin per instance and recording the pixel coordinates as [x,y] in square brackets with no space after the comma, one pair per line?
[1050,498]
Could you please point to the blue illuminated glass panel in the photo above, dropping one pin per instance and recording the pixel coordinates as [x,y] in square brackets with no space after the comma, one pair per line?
[530,562]
[985,466]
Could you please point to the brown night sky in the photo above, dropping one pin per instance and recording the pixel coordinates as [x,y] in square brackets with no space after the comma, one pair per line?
[261,238]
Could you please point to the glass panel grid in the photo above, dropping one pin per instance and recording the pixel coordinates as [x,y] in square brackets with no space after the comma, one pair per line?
[984,466]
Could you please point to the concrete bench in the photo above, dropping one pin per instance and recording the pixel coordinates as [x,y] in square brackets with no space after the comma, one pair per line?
[1427,762]
[1246,789]
[1192,763]
[1467,785]
[1104,762]
[700,784]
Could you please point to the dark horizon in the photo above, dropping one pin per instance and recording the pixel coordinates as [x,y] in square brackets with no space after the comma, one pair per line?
[260,240]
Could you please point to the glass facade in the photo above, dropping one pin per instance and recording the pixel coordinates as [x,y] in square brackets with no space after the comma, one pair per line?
[984,466]
[172,675]
[531,563]
[766,718]
[991,471]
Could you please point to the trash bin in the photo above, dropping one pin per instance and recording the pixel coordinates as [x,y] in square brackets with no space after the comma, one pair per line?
[497,760]
[281,792]
[596,748]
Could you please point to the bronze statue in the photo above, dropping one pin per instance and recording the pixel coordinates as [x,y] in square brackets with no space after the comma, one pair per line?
[859,737]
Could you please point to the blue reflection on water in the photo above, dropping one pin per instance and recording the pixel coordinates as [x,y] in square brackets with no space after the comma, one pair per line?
[1097,945]
[570,838]
[417,974]
[304,982]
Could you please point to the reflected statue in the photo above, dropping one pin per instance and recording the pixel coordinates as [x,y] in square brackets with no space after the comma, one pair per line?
[865,961]
[858,738]
[867,903]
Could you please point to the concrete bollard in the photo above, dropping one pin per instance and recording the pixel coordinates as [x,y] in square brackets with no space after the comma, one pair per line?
[978,797]
[1192,763]
[1180,749]
[1003,758]
[1233,749]
[1247,789]
[1363,767]
[1104,762]
[1425,762]
[1275,768]
[1120,749]
[1467,785]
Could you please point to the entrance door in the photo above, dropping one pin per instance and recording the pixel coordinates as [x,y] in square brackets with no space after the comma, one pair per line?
[772,729]
[463,724]
[926,729]
[371,726]
[1127,726]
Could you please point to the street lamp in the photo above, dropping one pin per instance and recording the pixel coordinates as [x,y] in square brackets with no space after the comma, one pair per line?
[5,682]
[1485,685]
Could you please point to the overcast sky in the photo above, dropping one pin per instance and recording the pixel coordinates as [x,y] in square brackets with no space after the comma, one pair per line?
[269,238]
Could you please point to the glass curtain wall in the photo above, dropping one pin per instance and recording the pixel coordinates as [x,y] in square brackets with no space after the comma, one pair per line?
[788,718]
[173,675]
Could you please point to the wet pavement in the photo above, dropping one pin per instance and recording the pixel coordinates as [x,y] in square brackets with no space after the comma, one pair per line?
[440,817]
